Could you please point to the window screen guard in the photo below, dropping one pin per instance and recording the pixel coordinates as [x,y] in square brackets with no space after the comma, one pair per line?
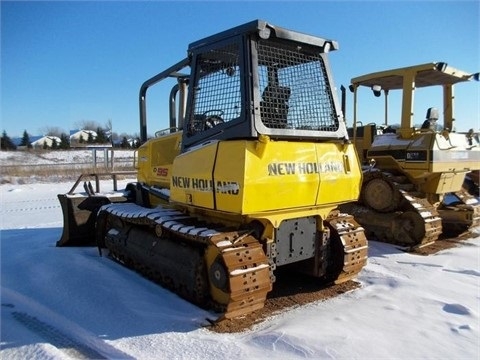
[294,89]
[217,92]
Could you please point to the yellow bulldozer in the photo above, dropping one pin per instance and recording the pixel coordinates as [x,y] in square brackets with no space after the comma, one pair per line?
[413,175]
[247,178]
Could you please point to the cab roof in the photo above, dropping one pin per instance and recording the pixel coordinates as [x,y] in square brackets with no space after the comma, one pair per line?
[265,30]
[429,74]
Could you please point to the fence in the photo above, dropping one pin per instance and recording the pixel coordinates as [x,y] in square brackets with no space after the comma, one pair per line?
[100,161]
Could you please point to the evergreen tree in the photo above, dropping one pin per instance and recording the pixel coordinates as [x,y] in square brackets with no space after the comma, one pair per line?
[54,144]
[26,140]
[90,139]
[6,143]
[101,136]
[64,141]
[45,146]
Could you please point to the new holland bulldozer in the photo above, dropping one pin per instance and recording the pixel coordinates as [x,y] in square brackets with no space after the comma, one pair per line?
[247,178]
[413,175]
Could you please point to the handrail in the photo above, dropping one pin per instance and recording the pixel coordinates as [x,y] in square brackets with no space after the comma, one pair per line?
[113,175]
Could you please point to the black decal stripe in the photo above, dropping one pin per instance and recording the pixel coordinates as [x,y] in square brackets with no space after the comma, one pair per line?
[403,155]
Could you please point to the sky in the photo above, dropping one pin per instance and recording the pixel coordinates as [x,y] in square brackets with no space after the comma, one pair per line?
[64,63]
[70,303]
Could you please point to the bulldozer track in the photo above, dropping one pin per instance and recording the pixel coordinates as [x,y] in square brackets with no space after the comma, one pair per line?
[229,265]
[430,216]
[461,216]
[238,278]
[470,203]
[414,222]
[354,245]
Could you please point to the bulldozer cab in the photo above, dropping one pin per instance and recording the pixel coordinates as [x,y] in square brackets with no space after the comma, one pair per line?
[253,80]
[411,169]
[408,80]
[431,154]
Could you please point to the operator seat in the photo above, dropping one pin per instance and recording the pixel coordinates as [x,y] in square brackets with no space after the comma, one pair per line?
[274,106]
[431,121]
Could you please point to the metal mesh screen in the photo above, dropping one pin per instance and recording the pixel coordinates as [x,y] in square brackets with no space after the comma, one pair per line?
[217,94]
[295,92]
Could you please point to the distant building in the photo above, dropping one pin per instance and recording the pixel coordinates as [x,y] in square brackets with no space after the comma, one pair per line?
[81,136]
[79,139]
[38,142]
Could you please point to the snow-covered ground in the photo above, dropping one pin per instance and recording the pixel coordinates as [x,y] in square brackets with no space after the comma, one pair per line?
[22,167]
[60,303]
[45,157]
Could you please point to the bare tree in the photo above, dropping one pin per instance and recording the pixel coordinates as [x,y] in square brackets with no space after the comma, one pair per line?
[109,130]
[109,125]
[115,137]
[52,131]
[87,125]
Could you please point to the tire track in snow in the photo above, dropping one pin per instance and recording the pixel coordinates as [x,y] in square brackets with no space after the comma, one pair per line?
[65,335]
[22,209]
[57,338]
[30,200]
[29,205]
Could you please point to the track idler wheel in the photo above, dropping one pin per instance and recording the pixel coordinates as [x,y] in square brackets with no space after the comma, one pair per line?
[218,276]
[380,195]
[238,274]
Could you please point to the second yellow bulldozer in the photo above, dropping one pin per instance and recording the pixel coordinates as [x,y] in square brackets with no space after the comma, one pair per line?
[413,175]
[247,178]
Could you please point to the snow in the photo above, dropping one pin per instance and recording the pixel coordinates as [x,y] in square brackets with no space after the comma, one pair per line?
[472,201]
[238,271]
[44,157]
[62,303]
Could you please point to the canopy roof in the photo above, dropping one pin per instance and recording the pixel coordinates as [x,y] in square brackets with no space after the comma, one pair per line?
[429,74]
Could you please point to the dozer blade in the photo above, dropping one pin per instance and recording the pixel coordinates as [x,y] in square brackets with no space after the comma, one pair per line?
[80,209]
[79,218]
